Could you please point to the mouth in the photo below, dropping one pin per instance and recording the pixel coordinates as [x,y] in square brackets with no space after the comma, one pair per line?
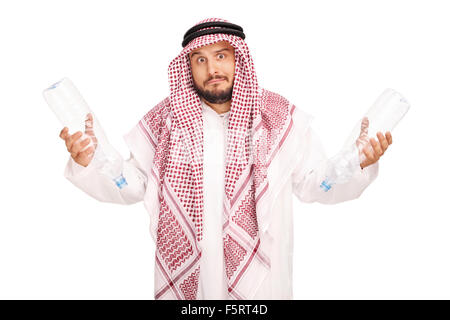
[215,81]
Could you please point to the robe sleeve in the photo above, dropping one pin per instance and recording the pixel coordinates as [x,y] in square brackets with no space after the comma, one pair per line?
[310,172]
[100,187]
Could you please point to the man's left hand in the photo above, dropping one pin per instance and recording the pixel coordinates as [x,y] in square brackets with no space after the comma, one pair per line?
[376,149]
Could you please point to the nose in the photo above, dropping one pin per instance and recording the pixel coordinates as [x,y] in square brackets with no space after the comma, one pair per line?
[212,68]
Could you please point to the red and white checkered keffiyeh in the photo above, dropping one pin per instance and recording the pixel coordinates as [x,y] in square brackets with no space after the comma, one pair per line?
[258,162]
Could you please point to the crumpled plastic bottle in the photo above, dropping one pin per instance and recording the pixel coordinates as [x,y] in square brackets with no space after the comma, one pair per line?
[387,111]
[71,110]
[111,164]
[341,167]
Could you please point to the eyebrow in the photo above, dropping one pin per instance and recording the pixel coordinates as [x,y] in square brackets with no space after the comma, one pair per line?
[220,50]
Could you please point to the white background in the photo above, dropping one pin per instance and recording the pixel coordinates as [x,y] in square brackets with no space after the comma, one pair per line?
[330,58]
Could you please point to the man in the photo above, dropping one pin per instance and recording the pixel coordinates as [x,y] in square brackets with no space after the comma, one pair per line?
[216,164]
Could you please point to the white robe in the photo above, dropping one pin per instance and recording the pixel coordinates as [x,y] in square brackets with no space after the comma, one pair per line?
[303,183]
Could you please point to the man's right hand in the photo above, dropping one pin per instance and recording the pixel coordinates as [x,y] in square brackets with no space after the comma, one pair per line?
[74,145]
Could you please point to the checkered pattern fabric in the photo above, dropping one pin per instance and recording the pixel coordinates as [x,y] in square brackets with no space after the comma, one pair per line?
[258,125]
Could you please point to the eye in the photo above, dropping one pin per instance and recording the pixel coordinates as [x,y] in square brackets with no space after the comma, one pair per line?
[221,56]
[201,60]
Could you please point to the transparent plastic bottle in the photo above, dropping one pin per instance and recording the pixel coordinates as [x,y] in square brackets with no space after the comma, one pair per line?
[384,115]
[71,110]
[341,167]
[389,108]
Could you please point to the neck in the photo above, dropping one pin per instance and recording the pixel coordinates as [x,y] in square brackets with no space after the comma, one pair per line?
[219,107]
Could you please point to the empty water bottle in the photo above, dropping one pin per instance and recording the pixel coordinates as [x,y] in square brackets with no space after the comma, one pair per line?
[384,115]
[71,110]
[387,111]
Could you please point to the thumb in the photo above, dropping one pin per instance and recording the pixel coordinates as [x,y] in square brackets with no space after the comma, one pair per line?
[89,128]
[364,126]
[363,135]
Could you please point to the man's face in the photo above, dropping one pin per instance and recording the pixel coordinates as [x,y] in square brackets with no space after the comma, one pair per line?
[213,71]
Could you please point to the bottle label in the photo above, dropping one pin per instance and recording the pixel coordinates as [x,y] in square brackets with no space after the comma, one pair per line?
[120,182]
[53,86]
[325,185]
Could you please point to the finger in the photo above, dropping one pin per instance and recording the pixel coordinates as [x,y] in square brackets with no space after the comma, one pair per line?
[63,133]
[88,125]
[362,138]
[369,154]
[364,126]
[376,148]
[383,141]
[79,145]
[89,128]
[75,148]
[389,137]
[71,139]
[88,153]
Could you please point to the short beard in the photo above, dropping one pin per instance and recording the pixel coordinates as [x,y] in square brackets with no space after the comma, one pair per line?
[219,97]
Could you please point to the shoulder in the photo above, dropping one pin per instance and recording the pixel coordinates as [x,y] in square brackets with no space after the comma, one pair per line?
[274,104]
[275,109]
[270,99]
[156,118]
[159,111]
